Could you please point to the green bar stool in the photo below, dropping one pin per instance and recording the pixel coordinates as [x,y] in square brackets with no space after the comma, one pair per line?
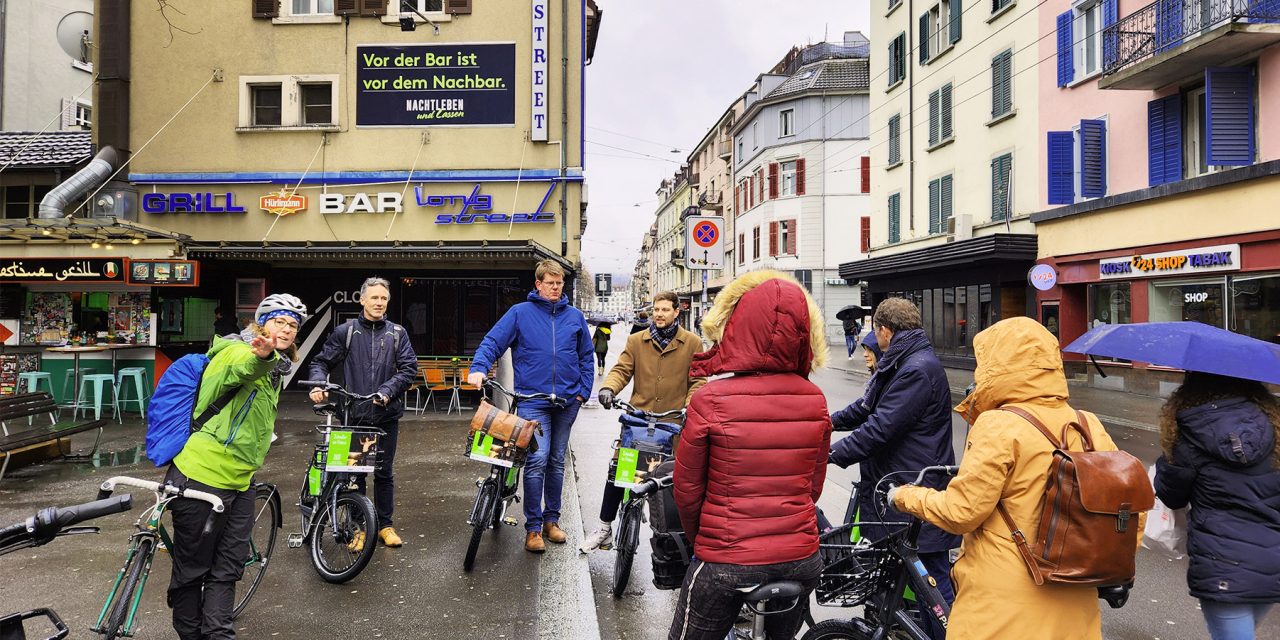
[96,381]
[68,385]
[137,376]
[32,380]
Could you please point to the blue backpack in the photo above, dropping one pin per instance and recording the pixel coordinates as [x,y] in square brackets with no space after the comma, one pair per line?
[638,434]
[169,411]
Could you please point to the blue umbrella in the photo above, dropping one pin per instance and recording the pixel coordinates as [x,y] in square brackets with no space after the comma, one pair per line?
[1191,346]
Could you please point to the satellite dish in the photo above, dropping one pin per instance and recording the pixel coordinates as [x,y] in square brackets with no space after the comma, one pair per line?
[75,35]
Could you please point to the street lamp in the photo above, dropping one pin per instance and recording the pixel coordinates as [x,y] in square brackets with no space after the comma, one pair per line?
[406,21]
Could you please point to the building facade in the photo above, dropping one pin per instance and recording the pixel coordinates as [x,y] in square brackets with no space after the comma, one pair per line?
[304,146]
[46,65]
[953,124]
[800,164]
[1140,143]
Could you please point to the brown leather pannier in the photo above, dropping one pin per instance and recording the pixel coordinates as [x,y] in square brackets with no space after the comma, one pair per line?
[1088,515]
[505,427]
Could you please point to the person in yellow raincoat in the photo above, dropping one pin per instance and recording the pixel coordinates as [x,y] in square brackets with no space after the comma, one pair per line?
[1007,460]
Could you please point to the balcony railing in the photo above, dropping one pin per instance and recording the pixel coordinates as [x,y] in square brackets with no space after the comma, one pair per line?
[1166,24]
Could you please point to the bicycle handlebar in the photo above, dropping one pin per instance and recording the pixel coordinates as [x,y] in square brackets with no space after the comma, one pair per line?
[941,468]
[652,484]
[49,522]
[331,387]
[559,401]
[160,489]
[641,413]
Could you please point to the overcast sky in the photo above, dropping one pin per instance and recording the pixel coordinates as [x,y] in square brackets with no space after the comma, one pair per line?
[664,71]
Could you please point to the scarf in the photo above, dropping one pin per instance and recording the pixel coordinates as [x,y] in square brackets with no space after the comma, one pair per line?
[663,336]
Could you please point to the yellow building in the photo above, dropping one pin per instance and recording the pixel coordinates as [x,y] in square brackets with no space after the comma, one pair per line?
[304,145]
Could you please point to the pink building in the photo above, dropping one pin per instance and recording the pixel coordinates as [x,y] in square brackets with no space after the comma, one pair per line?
[1160,137]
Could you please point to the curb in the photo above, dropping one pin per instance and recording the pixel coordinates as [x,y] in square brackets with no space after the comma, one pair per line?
[566,602]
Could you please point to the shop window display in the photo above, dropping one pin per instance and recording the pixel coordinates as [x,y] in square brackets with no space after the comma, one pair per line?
[1255,306]
[1109,304]
[1200,301]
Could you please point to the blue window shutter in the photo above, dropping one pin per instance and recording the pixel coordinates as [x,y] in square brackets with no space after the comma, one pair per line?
[1228,96]
[1093,158]
[956,14]
[1110,38]
[924,37]
[1061,167]
[1164,140]
[1066,68]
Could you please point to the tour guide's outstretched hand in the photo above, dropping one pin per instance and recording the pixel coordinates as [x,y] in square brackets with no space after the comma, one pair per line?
[262,346]
[476,379]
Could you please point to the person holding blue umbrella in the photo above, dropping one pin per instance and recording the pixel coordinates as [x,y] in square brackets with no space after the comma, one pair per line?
[1220,434]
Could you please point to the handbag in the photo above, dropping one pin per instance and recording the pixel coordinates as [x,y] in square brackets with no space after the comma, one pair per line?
[1166,529]
[503,427]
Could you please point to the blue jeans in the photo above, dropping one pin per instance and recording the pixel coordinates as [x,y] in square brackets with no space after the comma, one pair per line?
[850,343]
[544,470]
[1229,621]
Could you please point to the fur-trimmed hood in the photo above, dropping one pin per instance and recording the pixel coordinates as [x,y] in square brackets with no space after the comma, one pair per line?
[763,322]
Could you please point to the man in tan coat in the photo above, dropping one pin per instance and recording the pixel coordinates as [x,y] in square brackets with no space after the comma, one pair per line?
[1006,460]
[657,362]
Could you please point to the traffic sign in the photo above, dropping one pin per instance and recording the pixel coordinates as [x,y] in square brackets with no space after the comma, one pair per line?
[704,242]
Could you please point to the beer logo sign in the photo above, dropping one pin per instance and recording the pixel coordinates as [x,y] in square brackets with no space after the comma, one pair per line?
[282,203]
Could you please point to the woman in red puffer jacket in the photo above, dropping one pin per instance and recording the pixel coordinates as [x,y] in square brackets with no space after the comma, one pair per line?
[752,455]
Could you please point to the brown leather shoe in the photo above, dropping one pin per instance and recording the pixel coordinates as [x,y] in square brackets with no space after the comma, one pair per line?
[552,531]
[533,542]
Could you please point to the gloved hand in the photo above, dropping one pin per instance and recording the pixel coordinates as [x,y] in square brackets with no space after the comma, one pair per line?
[606,398]
[892,491]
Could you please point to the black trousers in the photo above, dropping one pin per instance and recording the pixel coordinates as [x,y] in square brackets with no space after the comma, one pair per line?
[612,499]
[384,486]
[710,601]
[202,586]
[600,358]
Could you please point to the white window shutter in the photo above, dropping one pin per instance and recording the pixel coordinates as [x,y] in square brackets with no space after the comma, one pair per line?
[68,113]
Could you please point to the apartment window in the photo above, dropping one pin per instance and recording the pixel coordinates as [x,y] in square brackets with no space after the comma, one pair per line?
[1080,33]
[84,116]
[266,105]
[1002,83]
[939,204]
[288,101]
[17,201]
[423,6]
[1204,130]
[939,29]
[755,243]
[895,212]
[787,237]
[1001,187]
[311,7]
[740,147]
[786,123]
[895,139]
[755,135]
[317,103]
[898,59]
[1077,163]
[742,248]
[1088,23]
[788,178]
[997,5]
[940,115]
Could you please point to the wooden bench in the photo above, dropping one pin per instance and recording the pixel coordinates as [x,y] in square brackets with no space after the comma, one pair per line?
[21,433]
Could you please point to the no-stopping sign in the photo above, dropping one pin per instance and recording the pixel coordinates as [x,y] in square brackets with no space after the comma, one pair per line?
[704,245]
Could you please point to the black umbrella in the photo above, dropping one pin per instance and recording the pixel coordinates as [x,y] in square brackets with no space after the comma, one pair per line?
[851,311]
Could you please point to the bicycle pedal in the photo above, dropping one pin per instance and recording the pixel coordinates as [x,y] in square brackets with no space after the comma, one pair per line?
[510,521]
[295,541]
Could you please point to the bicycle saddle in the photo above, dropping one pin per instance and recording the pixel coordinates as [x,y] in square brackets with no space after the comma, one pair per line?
[771,590]
[325,408]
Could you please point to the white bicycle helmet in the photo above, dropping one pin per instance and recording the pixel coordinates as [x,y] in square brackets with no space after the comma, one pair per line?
[281,302]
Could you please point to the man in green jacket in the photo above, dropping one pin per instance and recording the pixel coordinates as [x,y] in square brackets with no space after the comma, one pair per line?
[221,459]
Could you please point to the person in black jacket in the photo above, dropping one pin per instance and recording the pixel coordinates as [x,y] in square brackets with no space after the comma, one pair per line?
[376,357]
[1221,457]
[901,423]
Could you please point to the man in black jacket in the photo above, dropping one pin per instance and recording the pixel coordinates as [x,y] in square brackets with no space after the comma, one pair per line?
[376,357]
[901,423]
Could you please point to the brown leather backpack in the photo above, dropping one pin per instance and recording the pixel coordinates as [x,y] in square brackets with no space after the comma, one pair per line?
[1089,513]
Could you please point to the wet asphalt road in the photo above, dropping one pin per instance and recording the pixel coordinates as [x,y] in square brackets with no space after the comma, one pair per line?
[420,590]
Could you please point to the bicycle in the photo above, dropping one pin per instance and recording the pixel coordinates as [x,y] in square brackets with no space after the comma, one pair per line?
[338,523]
[645,456]
[39,530]
[119,613]
[496,492]
[877,574]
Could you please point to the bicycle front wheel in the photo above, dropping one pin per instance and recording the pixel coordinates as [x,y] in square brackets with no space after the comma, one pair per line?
[262,540]
[344,537]
[628,541]
[135,573]
[836,630]
[481,515]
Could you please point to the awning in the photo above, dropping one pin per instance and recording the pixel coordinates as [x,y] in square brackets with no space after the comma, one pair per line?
[452,253]
[33,231]
[985,250]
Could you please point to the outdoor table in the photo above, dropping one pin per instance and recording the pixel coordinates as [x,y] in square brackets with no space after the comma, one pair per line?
[75,371]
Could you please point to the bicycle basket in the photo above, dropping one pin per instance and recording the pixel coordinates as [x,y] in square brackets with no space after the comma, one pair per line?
[851,572]
[351,449]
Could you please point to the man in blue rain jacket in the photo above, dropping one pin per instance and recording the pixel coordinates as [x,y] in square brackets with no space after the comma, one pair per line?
[552,352]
